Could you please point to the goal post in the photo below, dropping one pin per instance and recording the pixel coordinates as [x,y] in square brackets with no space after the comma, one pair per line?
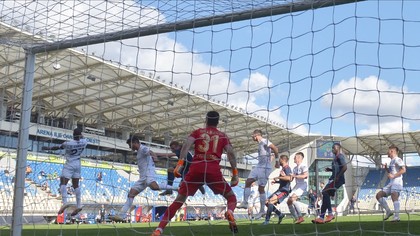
[22,150]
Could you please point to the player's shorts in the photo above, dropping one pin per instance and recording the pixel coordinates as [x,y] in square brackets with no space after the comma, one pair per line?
[281,195]
[253,200]
[71,171]
[145,180]
[299,192]
[331,187]
[392,188]
[260,175]
[198,175]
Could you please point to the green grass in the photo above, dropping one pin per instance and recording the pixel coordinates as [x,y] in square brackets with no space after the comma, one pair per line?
[345,225]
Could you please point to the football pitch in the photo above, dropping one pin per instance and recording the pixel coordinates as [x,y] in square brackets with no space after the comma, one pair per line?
[344,225]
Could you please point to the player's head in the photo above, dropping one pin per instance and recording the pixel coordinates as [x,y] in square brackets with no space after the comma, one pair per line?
[256,135]
[393,151]
[336,148]
[133,143]
[77,134]
[212,118]
[174,145]
[299,157]
[284,160]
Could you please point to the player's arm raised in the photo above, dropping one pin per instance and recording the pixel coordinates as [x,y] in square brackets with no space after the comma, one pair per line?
[52,148]
[165,155]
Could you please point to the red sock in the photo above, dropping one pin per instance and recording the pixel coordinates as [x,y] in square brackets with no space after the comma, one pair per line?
[231,202]
[169,213]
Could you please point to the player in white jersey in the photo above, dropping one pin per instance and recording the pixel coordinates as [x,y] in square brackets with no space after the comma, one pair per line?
[261,171]
[71,169]
[146,163]
[395,171]
[299,174]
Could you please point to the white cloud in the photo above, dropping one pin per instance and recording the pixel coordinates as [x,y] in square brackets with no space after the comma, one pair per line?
[174,62]
[377,105]
[300,129]
[386,127]
[170,59]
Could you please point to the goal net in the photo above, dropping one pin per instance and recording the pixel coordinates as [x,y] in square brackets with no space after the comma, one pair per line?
[307,73]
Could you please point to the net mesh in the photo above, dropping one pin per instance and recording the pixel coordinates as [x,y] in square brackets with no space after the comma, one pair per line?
[346,73]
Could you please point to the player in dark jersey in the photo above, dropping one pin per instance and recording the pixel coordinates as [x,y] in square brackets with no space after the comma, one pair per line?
[282,193]
[176,152]
[336,180]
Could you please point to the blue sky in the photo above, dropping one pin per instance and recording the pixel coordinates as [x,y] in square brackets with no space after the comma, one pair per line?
[347,70]
[306,55]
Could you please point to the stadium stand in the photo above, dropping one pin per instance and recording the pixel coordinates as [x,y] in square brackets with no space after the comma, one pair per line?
[46,200]
[376,178]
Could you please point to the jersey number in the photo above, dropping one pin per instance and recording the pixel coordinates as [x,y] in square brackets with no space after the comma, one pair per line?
[76,151]
[205,143]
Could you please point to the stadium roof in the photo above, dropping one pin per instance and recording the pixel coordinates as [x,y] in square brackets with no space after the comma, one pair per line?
[94,92]
[99,92]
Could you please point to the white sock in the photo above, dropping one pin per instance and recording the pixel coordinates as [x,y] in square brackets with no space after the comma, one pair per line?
[297,208]
[165,186]
[63,191]
[292,211]
[384,204]
[78,194]
[397,209]
[126,206]
[263,198]
[247,192]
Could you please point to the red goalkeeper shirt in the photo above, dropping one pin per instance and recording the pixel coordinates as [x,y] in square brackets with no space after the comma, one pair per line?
[209,146]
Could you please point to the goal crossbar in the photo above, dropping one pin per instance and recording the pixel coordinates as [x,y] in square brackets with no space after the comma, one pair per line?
[187,24]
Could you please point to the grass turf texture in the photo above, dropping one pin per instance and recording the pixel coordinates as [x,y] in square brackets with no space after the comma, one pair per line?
[347,225]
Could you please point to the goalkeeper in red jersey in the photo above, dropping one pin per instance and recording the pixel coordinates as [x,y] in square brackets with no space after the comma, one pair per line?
[209,144]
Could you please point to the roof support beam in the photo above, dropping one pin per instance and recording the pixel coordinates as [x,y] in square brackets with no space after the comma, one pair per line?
[374,155]
[415,142]
[388,141]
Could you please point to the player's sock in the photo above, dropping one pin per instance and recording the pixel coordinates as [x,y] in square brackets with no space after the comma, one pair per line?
[263,199]
[326,204]
[63,191]
[164,186]
[78,194]
[397,209]
[231,202]
[292,211]
[127,205]
[247,192]
[270,209]
[384,204]
[277,211]
[171,178]
[297,208]
[169,213]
